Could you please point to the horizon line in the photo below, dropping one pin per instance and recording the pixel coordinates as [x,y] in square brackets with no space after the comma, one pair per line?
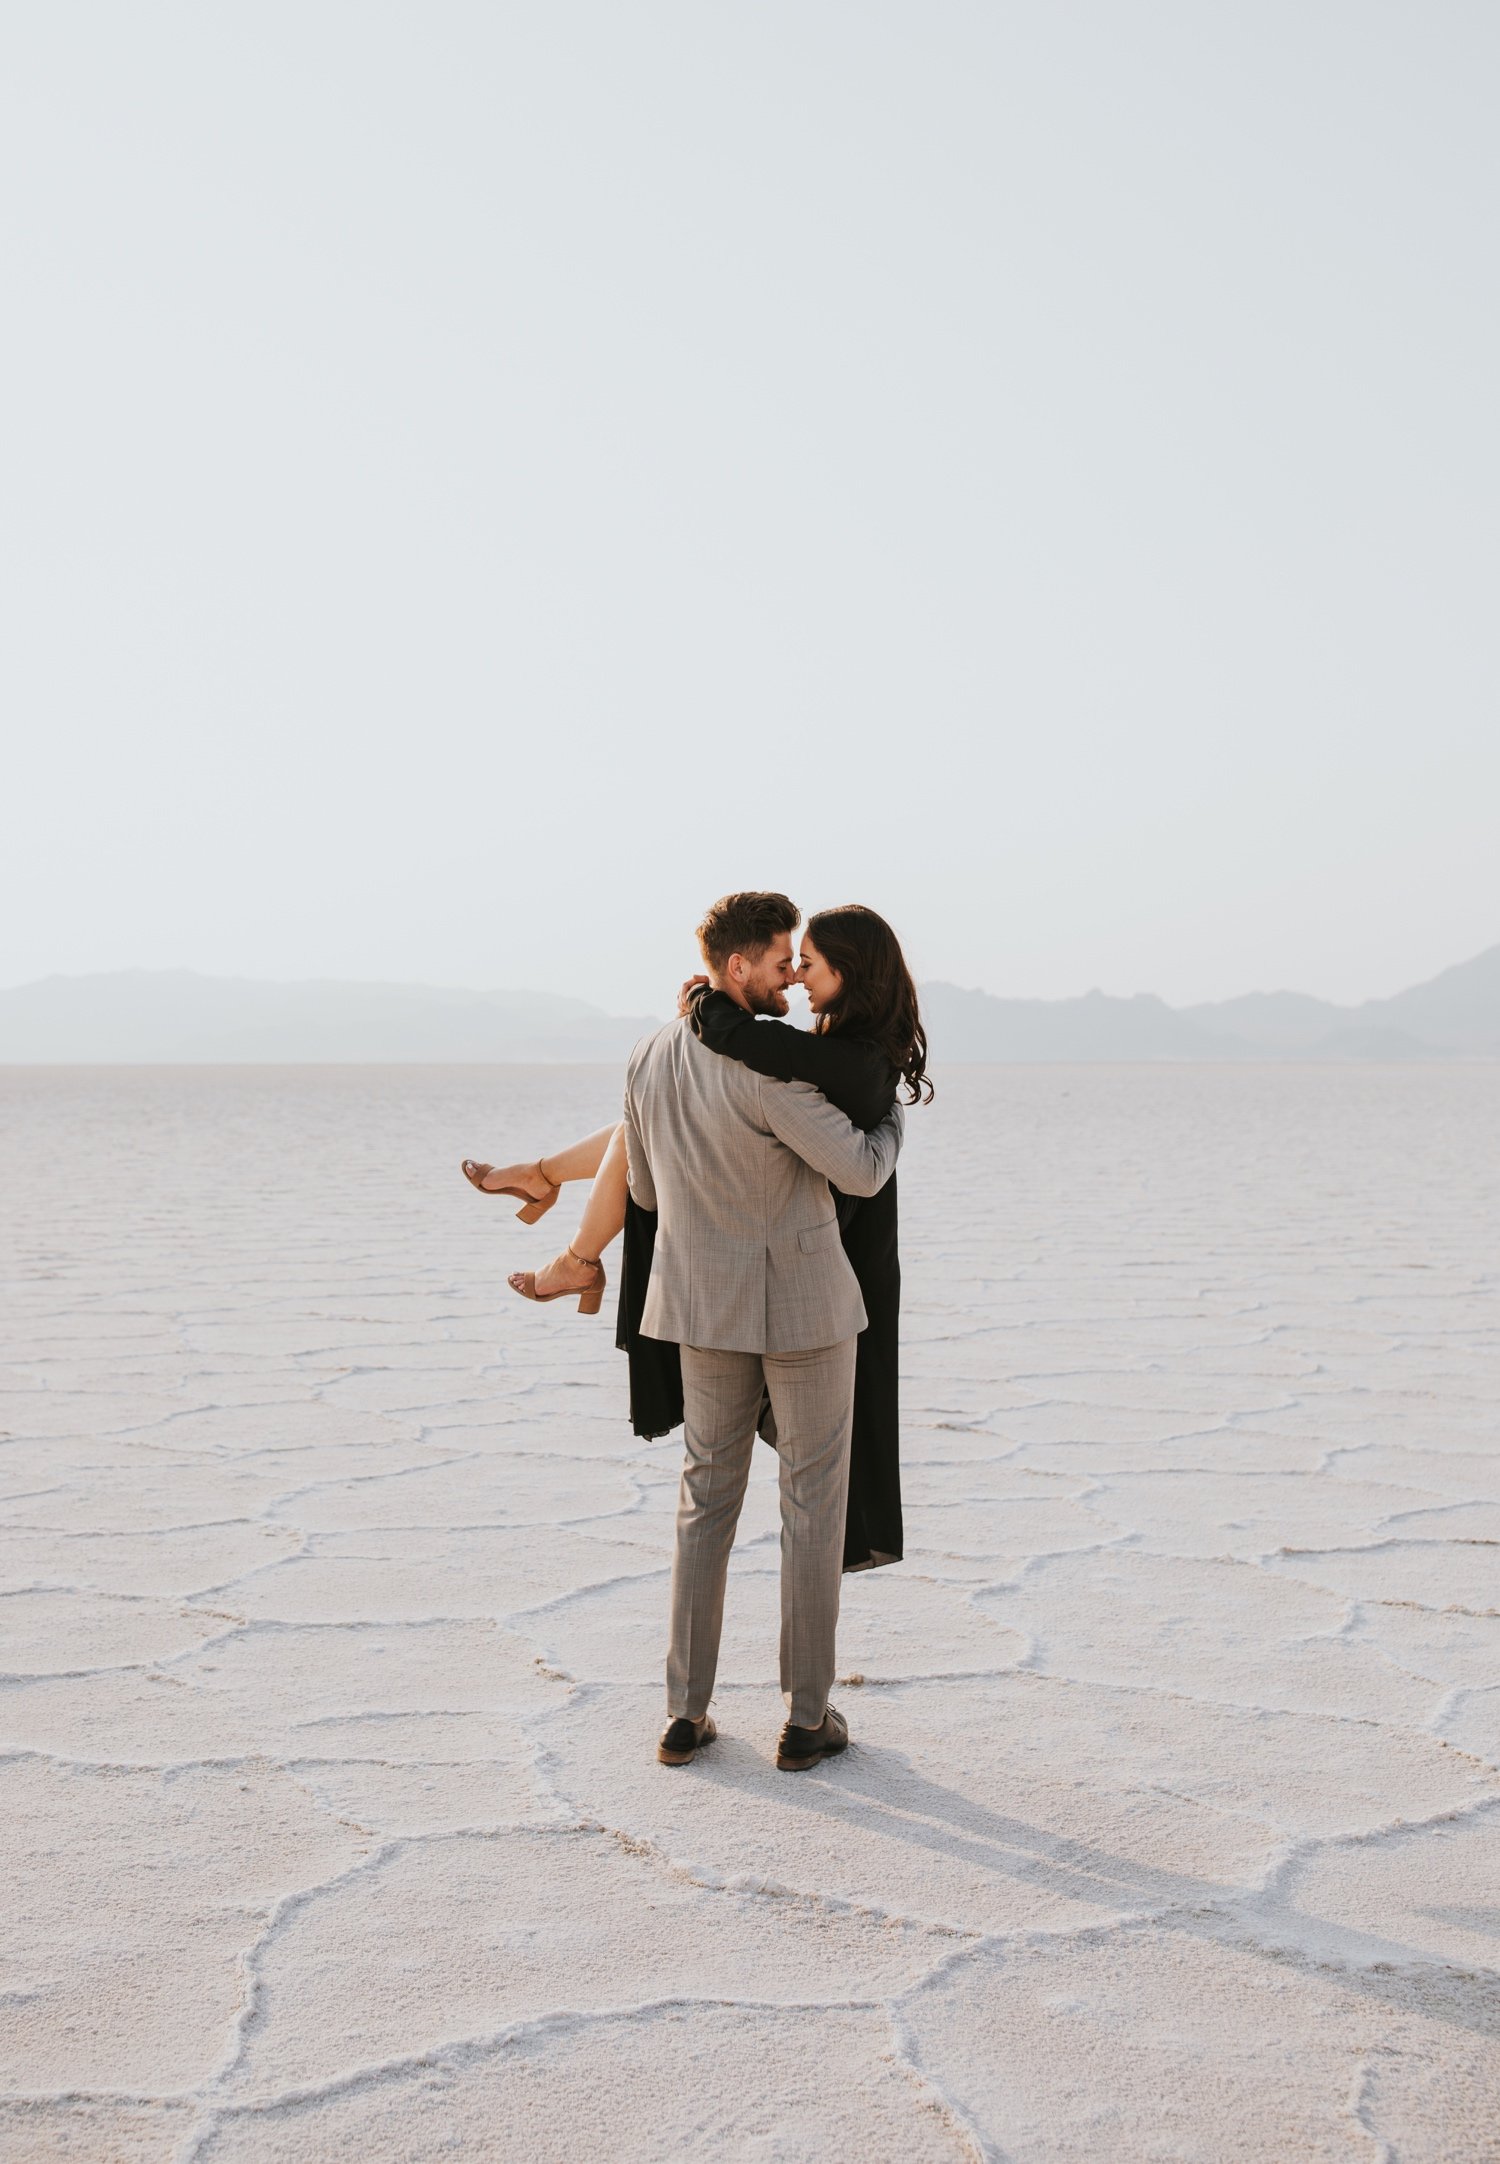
[1094,991]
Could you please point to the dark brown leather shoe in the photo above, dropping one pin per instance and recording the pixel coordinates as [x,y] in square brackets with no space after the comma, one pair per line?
[803,1747]
[682,1739]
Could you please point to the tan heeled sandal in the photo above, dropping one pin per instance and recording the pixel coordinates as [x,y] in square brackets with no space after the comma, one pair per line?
[590,1296]
[474,1172]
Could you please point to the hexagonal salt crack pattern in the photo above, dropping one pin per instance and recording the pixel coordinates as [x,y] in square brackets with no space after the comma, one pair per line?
[335,1584]
[727,2082]
[130,1897]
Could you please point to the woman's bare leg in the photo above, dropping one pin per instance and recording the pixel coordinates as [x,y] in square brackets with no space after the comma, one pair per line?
[602,1221]
[576,1161]
[580,1160]
[603,1216]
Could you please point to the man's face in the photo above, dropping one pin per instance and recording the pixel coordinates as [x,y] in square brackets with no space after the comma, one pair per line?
[763,984]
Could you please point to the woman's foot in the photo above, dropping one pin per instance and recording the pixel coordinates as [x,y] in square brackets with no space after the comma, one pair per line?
[528,1183]
[564,1273]
[505,1179]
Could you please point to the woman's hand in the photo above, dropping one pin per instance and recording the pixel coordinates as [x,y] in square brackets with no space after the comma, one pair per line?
[685,996]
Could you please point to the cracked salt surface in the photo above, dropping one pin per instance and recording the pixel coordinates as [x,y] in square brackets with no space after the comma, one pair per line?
[332,1590]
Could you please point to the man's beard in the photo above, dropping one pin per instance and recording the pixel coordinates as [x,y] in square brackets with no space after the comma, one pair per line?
[768,999]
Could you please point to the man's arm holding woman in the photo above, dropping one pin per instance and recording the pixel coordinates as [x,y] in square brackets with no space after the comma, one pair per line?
[857,1163]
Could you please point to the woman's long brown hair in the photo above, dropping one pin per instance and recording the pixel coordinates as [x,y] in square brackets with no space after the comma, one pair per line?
[877,999]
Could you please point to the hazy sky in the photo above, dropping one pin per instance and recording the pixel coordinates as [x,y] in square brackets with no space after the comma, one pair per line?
[479,480]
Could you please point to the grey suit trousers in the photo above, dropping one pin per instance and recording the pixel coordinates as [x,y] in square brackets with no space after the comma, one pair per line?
[812,1396]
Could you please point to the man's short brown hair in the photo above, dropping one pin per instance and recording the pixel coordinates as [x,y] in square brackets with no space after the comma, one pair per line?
[744,924]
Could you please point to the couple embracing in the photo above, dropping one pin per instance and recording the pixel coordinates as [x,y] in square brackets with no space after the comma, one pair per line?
[752,1178]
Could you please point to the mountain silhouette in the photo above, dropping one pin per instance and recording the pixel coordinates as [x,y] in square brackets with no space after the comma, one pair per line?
[169,1017]
[1455,1014]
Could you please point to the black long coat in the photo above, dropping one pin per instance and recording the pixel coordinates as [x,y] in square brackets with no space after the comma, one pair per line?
[857,1077]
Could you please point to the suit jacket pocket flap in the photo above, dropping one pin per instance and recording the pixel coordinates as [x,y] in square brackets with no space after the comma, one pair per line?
[817,1237]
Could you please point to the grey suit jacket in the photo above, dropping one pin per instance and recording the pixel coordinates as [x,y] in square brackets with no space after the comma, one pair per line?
[748,1255]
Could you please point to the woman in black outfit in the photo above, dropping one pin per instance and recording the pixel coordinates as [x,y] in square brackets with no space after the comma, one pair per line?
[867,1039]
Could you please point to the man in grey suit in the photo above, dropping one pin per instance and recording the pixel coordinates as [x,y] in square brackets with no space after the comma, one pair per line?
[751,1280]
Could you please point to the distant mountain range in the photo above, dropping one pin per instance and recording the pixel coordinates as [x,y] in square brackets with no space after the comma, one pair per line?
[167,1017]
[170,1016]
[1454,1015]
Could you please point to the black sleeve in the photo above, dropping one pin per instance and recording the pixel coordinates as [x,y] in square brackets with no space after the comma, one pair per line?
[770,1048]
[851,1074]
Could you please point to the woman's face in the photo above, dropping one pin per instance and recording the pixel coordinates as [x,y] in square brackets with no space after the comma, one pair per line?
[818,979]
